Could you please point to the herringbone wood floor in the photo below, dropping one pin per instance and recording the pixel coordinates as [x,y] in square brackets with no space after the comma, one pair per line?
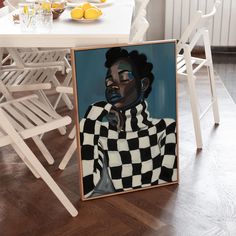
[204,203]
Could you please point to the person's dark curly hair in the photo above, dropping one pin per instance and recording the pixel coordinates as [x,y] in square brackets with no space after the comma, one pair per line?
[140,67]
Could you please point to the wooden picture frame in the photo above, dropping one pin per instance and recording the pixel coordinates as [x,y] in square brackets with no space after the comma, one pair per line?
[126,117]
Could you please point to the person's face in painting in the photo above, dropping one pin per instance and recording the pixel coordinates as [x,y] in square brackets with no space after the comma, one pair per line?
[122,89]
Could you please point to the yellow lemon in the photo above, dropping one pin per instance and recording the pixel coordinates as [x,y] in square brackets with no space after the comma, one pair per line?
[103,0]
[86,6]
[92,13]
[77,13]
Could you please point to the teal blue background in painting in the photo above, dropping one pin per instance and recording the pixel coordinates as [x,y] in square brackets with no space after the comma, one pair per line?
[90,74]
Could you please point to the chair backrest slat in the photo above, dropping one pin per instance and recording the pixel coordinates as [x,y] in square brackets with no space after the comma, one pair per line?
[198,22]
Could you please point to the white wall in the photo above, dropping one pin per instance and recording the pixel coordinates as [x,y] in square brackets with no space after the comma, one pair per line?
[156,19]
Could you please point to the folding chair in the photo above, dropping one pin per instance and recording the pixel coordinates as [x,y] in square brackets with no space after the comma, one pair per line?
[32,113]
[188,66]
[12,133]
[41,60]
[18,80]
[30,79]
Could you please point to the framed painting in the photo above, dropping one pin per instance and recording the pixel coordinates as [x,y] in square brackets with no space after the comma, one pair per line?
[126,117]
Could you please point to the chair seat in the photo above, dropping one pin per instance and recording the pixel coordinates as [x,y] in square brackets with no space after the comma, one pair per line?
[197,64]
[15,77]
[17,80]
[29,116]
[53,57]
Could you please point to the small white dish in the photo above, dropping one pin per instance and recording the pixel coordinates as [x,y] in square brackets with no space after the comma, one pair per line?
[83,20]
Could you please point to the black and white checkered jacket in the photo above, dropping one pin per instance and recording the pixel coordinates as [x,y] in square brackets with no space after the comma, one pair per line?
[142,154]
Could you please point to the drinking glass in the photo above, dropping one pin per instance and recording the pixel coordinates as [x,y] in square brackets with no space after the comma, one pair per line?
[45,21]
[27,17]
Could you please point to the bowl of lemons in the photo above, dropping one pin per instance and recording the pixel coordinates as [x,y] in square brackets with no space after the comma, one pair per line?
[85,12]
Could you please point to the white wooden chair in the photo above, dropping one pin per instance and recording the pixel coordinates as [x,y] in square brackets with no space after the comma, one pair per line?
[32,79]
[18,80]
[42,60]
[46,57]
[14,129]
[188,66]
[31,65]
[31,114]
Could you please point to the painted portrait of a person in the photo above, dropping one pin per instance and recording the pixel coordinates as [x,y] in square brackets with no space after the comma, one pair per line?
[122,146]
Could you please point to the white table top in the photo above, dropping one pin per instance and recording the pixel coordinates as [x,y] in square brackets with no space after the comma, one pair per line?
[113,27]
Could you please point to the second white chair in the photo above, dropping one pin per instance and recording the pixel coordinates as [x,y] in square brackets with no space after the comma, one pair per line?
[188,66]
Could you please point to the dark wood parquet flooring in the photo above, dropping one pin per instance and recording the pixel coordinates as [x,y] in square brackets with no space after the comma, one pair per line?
[204,203]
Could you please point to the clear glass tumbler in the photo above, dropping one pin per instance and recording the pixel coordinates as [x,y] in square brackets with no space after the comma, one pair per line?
[45,21]
[27,17]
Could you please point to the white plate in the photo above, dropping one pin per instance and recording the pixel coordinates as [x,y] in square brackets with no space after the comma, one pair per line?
[86,20]
[98,4]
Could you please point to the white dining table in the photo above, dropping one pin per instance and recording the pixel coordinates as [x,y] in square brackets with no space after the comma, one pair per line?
[112,28]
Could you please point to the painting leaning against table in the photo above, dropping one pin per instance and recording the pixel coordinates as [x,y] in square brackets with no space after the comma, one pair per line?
[126,117]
